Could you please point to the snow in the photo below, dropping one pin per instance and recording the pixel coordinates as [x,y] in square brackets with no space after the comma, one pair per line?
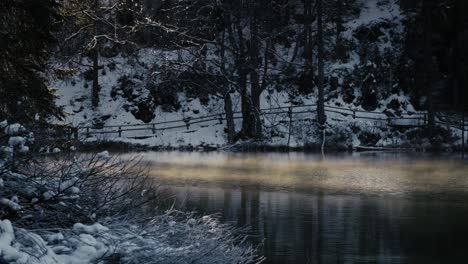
[24,149]
[10,203]
[163,241]
[18,143]
[75,98]
[90,229]
[15,141]
[103,155]
[48,195]
[52,238]
[372,12]
[56,150]
[207,134]
[14,129]
[7,251]
[66,185]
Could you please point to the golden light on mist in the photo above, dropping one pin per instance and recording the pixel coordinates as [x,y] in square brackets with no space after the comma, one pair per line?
[306,173]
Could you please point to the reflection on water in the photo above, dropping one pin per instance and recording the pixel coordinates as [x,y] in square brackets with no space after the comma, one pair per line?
[343,209]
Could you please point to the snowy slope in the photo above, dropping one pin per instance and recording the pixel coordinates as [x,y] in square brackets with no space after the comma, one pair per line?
[116,111]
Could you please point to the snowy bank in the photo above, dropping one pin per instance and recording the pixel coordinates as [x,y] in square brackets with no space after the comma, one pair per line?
[169,238]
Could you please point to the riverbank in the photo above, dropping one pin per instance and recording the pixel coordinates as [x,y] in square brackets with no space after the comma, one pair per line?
[259,147]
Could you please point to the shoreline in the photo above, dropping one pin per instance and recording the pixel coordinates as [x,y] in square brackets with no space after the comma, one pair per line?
[249,147]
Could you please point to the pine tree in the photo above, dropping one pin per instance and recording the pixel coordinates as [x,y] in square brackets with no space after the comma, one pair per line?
[25,38]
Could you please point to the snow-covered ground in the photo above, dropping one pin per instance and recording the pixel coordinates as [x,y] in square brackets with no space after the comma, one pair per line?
[277,132]
[165,239]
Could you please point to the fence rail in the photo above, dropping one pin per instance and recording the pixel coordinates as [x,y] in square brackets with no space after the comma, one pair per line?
[412,120]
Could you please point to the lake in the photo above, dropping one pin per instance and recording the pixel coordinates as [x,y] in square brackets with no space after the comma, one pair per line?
[341,208]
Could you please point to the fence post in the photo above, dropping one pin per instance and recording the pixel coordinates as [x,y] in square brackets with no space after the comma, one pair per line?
[425,119]
[290,123]
[354,113]
[87,132]
[120,131]
[221,119]
[153,129]
[463,130]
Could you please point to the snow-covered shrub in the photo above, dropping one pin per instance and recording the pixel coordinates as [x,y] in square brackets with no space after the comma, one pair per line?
[67,187]
[14,141]
[60,190]
[172,237]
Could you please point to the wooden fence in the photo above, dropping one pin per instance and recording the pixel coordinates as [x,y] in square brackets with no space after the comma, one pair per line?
[407,120]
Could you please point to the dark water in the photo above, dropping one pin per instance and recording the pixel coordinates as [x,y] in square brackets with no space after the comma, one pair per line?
[360,208]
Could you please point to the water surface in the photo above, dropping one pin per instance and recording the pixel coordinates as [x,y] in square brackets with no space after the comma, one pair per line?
[347,208]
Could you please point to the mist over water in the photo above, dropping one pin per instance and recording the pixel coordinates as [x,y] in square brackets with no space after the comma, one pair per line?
[345,208]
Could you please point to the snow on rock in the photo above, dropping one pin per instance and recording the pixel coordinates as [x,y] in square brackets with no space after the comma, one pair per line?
[52,238]
[48,195]
[16,141]
[74,190]
[14,129]
[35,250]
[67,185]
[7,251]
[90,229]
[16,176]
[56,150]
[103,155]
[24,149]
[7,150]
[88,250]
[13,203]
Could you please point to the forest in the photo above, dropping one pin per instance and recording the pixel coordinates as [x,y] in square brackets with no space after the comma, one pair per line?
[395,57]
[80,79]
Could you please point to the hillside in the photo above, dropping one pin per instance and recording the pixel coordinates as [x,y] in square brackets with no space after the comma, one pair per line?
[153,85]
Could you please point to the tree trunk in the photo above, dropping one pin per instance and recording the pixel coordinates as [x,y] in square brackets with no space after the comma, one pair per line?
[429,64]
[255,99]
[308,42]
[95,57]
[255,88]
[321,117]
[339,49]
[231,129]
[307,31]
[95,87]
[246,105]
